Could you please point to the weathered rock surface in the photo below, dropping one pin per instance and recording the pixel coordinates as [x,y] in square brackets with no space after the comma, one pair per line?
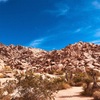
[76,56]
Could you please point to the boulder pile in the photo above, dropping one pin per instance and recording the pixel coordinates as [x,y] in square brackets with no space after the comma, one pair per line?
[78,56]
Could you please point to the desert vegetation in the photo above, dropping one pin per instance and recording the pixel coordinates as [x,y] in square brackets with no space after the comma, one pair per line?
[27,84]
[39,74]
[30,85]
[91,85]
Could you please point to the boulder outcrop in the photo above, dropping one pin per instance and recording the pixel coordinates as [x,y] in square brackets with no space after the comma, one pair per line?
[76,56]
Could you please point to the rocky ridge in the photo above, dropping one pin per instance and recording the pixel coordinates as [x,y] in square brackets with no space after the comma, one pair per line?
[78,56]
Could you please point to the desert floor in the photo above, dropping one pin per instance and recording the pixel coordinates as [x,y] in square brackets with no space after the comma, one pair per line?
[71,94]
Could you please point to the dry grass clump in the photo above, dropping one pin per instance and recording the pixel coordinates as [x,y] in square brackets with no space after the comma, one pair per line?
[78,79]
[61,83]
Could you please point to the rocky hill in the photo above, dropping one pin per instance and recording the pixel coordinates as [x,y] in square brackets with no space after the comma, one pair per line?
[18,56]
[79,55]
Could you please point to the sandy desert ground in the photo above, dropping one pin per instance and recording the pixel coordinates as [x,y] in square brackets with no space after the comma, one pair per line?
[71,94]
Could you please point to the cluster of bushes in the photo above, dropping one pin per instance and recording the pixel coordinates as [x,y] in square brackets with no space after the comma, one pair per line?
[75,79]
[91,86]
[88,80]
[30,86]
[90,91]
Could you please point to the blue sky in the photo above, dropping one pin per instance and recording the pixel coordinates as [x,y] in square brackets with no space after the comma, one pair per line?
[49,24]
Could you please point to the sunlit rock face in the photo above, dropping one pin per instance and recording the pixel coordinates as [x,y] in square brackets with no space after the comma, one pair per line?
[76,56]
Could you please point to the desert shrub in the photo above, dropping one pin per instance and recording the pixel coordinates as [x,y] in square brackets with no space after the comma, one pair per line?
[87,80]
[90,83]
[32,86]
[87,86]
[6,89]
[63,85]
[87,91]
[60,83]
[94,74]
[78,79]
[35,86]
[96,95]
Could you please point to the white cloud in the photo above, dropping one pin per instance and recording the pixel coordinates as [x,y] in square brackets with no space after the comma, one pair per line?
[61,10]
[82,29]
[37,42]
[96,4]
[95,41]
[3,0]
[40,41]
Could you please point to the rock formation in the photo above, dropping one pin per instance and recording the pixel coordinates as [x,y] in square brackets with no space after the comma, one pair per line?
[76,56]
